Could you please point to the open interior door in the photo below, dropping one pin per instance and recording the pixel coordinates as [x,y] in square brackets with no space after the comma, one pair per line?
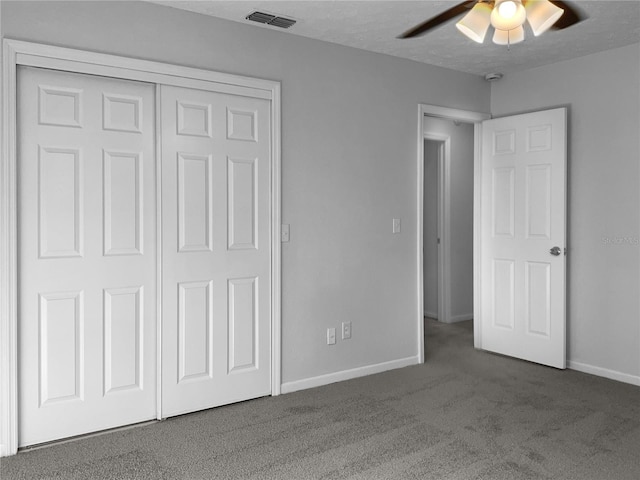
[523,236]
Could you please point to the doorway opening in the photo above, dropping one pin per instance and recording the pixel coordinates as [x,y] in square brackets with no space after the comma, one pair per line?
[449,143]
[434,156]
[448,226]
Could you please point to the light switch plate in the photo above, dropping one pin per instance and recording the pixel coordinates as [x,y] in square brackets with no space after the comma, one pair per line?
[396,225]
[284,233]
[331,336]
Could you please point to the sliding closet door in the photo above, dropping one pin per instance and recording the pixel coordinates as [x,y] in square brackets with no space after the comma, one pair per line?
[87,254]
[216,249]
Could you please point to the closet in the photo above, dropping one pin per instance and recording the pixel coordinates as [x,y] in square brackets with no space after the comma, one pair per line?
[144,251]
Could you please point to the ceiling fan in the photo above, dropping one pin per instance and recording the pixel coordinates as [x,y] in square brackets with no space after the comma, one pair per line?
[507,18]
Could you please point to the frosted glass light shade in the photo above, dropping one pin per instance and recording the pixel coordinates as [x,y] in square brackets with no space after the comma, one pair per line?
[508,37]
[475,23]
[516,19]
[541,15]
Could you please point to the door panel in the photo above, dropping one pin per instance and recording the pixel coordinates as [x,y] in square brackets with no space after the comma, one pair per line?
[61,347]
[195,328]
[123,338]
[523,215]
[123,214]
[216,249]
[241,203]
[60,191]
[243,325]
[195,202]
[86,226]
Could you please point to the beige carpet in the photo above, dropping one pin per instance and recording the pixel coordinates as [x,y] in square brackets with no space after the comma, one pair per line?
[463,415]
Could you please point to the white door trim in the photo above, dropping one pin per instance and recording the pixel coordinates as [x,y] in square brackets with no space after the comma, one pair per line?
[465,116]
[31,54]
[444,224]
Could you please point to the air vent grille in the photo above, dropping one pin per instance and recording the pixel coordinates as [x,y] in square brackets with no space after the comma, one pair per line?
[282,22]
[260,17]
[269,19]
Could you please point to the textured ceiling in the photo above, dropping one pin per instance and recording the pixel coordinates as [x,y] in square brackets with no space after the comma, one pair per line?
[374,25]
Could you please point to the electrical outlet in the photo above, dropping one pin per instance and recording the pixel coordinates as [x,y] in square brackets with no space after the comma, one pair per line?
[331,336]
[346,330]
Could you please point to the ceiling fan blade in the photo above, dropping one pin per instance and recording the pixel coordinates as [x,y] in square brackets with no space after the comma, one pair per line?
[571,16]
[438,20]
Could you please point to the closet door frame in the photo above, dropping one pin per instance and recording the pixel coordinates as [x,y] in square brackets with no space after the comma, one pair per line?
[16,53]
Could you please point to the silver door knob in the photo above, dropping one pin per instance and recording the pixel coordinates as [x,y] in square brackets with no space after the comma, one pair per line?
[555,251]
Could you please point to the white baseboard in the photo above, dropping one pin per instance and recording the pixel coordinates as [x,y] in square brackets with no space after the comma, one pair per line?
[430,314]
[604,372]
[461,318]
[320,380]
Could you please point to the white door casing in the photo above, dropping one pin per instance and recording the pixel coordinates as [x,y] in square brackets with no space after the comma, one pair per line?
[523,216]
[87,254]
[216,249]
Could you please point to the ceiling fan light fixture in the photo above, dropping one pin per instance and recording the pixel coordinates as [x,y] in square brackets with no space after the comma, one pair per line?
[476,23]
[542,14]
[508,37]
[508,14]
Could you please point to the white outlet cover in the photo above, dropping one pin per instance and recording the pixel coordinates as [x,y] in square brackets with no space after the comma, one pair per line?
[346,330]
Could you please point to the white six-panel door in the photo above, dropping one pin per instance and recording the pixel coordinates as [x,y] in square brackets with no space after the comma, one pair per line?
[87,254]
[216,249]
[523,216]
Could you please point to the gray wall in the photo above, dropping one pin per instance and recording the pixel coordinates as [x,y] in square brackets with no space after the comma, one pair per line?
[461,213]
[349,161]
[602,92]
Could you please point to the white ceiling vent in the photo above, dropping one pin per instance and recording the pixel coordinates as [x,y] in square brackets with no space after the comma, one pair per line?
[269,19]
